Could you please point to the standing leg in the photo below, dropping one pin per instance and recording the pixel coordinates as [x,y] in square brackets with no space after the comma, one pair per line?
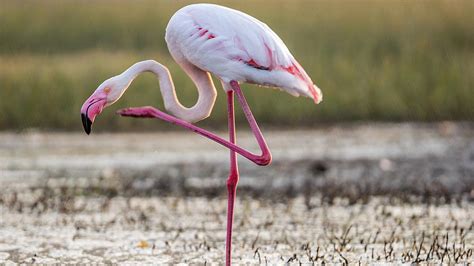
[263,159]
[232,180]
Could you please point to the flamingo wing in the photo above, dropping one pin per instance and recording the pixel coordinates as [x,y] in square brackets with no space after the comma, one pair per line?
[236,46]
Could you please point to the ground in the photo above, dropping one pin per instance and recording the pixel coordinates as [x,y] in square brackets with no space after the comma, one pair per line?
[351,193]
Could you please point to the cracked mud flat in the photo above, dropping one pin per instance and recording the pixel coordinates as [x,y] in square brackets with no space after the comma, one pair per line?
[358,193]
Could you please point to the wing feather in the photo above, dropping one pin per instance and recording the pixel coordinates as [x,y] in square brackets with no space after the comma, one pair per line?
[236,46]
[242,36]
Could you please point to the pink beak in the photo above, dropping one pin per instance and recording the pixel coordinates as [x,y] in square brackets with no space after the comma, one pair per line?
[90,109]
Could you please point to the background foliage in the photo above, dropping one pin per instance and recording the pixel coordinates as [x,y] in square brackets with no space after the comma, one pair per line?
[374,60]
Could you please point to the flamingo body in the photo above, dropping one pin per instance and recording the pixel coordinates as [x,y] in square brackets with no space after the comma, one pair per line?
[235,46]
[209,39]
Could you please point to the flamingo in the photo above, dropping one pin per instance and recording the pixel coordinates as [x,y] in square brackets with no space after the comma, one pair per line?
[237,48]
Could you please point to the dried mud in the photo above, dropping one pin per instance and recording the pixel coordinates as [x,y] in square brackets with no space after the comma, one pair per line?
[346,194]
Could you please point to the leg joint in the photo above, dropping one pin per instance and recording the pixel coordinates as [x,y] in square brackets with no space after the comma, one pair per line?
[264,159]
[232,182]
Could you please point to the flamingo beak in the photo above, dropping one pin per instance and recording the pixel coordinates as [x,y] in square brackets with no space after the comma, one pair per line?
[86,123]
[89,111]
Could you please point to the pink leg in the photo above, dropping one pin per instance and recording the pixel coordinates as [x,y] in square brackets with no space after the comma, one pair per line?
[232,180]
[264,159]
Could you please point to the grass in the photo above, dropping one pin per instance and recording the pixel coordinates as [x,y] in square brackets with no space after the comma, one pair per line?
[373,60]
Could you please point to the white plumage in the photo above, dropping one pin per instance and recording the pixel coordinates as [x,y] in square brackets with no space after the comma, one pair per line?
[235,46]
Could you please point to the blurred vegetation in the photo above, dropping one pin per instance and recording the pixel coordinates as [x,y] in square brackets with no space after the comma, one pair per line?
[374,60]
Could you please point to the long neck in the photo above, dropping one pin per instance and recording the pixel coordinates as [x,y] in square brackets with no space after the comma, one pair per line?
[207,92]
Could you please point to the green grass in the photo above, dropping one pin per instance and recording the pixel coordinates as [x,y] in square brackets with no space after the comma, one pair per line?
[374,60]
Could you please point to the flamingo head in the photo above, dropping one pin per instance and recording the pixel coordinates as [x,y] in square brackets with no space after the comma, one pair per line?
[105,95]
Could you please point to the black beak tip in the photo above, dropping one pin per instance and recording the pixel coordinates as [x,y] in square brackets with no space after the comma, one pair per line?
[87,123]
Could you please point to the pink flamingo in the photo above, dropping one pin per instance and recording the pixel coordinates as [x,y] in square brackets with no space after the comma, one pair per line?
[235,47]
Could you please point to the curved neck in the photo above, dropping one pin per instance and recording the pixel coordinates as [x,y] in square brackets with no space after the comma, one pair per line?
[206,90]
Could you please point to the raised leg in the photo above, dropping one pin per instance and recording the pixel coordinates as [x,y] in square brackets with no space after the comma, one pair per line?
[232,180]
[264,159]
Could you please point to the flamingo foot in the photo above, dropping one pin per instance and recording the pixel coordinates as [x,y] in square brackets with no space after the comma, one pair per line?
[145,112]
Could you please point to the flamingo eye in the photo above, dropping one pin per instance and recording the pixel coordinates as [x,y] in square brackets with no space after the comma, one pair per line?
[107,89]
